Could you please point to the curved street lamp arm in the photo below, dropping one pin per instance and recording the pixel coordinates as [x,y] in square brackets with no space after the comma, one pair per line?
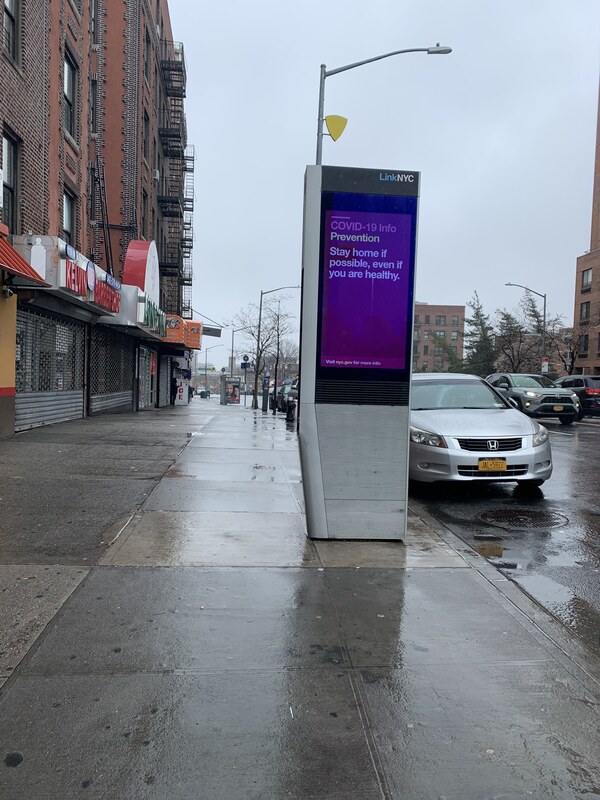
[335,71]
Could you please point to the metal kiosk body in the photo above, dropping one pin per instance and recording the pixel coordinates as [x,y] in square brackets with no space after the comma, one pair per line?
[358,261]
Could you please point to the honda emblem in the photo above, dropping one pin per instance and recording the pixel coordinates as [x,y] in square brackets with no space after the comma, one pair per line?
[493,444]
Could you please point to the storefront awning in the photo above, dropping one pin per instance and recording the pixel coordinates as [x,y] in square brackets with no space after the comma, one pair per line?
[11,261]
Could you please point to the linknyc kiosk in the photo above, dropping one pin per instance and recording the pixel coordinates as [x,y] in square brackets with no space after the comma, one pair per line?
[358,261]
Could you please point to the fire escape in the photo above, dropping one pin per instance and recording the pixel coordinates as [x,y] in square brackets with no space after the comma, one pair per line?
[176,187]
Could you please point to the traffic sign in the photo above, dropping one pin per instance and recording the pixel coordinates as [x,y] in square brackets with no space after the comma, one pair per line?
[245,358]
[244,365]
[223,369]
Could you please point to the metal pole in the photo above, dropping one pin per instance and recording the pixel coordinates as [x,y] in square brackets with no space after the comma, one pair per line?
[231,368]
[320,115]
[544,332]
[256,366]
[205,369]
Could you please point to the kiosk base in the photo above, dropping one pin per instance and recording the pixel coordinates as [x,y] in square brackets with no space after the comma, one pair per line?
[355,471]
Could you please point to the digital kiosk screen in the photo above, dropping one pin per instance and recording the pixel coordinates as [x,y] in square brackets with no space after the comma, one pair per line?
[366,285]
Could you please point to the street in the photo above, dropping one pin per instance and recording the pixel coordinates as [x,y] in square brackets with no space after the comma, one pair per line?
[547,541]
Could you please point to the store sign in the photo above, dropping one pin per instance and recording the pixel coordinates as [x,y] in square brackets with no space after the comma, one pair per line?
[192,335]
[175,329]
[141,268]
[90,283]
[151,316]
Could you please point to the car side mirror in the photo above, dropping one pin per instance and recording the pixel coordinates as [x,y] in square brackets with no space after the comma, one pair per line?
[513,403]
[503,386]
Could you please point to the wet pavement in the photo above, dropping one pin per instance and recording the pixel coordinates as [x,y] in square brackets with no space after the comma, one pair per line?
[202,647]
[547,541]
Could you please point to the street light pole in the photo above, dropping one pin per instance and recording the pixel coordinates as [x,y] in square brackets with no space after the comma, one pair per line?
[256,360]
[539,294]
[325,73]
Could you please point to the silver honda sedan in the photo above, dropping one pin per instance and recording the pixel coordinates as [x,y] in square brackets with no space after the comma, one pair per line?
[461,429]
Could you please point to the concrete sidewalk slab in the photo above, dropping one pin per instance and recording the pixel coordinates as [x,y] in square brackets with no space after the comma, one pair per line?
[216,652]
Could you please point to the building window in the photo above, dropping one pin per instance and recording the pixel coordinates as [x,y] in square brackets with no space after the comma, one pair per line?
[10,172]
[94,106]
[144,213]
[146,136]
[440,319]
[94,21]
[69,206]
[438,364]
[453,349]
[584,312]
[147,51]
[440,334]
[585,342]
[426,365]
[426,319]
[11,28]
[70,95]
[426,350]
[416,319]
[426,334]
[417,336]
[586,280]
[455,321]
[454,335]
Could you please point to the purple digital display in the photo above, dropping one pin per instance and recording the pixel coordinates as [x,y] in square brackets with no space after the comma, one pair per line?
[366,289]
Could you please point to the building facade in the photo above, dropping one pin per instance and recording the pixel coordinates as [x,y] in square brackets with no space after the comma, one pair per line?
[438,337]
[586,315]
[95,170]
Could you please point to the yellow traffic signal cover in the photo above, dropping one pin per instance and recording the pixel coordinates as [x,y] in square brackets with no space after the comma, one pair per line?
[335,126]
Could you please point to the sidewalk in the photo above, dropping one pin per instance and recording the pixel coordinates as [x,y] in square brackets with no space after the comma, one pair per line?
[167,631]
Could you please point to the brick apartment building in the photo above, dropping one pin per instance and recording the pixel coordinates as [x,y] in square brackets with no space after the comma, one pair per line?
[96,169]
[438,337]
[586,317]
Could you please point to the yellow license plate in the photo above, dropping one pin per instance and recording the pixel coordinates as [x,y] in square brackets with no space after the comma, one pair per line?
[492,465]
[559,408]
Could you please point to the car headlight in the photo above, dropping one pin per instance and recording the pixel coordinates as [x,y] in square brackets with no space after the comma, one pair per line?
[424,437]
[532,394]
[541,437]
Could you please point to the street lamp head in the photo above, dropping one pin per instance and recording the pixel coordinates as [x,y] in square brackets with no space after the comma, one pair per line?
[439,50]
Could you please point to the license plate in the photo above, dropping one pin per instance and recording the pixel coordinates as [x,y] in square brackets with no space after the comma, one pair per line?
[559,408]
[492,465]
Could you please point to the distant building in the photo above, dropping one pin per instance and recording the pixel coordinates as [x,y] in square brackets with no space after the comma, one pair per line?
[586,318]
[438,337]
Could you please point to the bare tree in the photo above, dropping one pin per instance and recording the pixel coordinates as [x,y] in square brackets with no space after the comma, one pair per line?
[565,344]
[275,324]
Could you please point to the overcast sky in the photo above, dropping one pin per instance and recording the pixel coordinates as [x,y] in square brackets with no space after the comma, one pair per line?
[502,131]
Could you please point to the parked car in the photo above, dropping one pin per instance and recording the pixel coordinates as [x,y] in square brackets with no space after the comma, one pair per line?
[537,395]
[587,389]
[461,429]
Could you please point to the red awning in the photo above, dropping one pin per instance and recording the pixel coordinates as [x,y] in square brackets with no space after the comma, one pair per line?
[11,261]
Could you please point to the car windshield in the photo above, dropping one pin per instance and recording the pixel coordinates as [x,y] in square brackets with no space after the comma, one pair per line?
[429,395]
[532,381]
